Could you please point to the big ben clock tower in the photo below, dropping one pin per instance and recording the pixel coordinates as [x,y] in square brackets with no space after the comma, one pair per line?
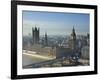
[73,38]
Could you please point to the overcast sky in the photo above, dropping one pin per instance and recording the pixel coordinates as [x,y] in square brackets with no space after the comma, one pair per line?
[55,23]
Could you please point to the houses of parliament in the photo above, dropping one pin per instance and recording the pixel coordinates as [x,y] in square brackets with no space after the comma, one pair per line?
[36,37]
[71,48]
[44,45]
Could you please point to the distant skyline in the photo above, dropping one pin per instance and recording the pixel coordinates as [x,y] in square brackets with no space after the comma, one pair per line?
[55,23]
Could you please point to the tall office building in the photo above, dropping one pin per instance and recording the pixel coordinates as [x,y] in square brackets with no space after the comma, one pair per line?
[35,35]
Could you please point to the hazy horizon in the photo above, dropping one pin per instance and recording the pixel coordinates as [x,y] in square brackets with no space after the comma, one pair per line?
[55,23]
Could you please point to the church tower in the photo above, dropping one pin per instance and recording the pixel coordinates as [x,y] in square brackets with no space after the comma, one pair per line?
[73,39]
[35,35]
